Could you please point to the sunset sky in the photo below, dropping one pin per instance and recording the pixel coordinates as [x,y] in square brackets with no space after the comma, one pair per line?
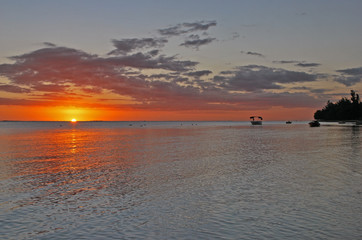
[177,60]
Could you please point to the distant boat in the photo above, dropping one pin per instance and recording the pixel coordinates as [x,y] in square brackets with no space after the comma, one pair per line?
[256,122]
[288,122]
[314,123]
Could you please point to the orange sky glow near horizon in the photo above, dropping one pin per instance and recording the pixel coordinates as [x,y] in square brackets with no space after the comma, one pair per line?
[36,113]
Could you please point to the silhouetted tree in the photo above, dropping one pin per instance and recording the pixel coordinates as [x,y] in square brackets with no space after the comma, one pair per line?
[355,104]
[344,109]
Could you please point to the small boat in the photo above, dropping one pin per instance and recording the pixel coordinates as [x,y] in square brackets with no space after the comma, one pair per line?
[256,122]
[314,123]
[288,122]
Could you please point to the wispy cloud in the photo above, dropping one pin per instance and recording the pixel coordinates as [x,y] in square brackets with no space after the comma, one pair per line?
[298,63]
[253,53]
[302,64]
[48,44]
[184,28]
[286,61]
[125,46]
[199,73]
[195,41]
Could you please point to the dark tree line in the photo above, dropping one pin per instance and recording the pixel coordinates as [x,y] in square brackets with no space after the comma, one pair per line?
[344,109]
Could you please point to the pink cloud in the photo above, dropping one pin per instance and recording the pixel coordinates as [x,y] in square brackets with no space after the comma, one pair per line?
[60,71]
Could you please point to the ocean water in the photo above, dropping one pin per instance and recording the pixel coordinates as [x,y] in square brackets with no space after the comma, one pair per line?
[179,180]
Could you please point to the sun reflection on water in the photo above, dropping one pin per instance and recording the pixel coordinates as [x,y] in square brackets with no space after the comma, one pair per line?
[74,142]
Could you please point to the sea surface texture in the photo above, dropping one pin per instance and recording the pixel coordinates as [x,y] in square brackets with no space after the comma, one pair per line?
[179,180]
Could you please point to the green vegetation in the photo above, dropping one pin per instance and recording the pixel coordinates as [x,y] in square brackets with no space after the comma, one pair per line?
[344,109]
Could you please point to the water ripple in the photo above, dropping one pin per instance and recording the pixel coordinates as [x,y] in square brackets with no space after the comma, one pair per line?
[199,182]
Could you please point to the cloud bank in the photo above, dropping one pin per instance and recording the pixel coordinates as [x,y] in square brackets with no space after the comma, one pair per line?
[67,72]
[136,70]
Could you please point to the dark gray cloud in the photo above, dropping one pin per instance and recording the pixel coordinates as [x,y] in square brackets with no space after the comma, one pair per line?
[351,71]
[253,54]
[199,26]
[199,73]
[286,61]
[168,76]
[184,28]
[227,72]
[125,46]
[302,64]
[301,88]
[350,76]
[49,44]
[348,81]
[318,90]
[298,63]
[196,42]
[255,78]
[144,61]
[153,53]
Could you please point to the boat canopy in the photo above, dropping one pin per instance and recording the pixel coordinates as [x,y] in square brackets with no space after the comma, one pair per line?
[253,117]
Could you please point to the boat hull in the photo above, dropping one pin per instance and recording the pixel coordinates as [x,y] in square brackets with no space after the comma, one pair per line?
[256,122]
[314,124]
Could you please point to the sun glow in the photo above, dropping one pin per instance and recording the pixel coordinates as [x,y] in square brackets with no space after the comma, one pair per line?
[73,120]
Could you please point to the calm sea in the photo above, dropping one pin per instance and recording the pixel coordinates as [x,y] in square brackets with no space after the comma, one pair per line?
[179,180]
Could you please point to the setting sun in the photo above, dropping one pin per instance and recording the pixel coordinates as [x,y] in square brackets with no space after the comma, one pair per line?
[74,120]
